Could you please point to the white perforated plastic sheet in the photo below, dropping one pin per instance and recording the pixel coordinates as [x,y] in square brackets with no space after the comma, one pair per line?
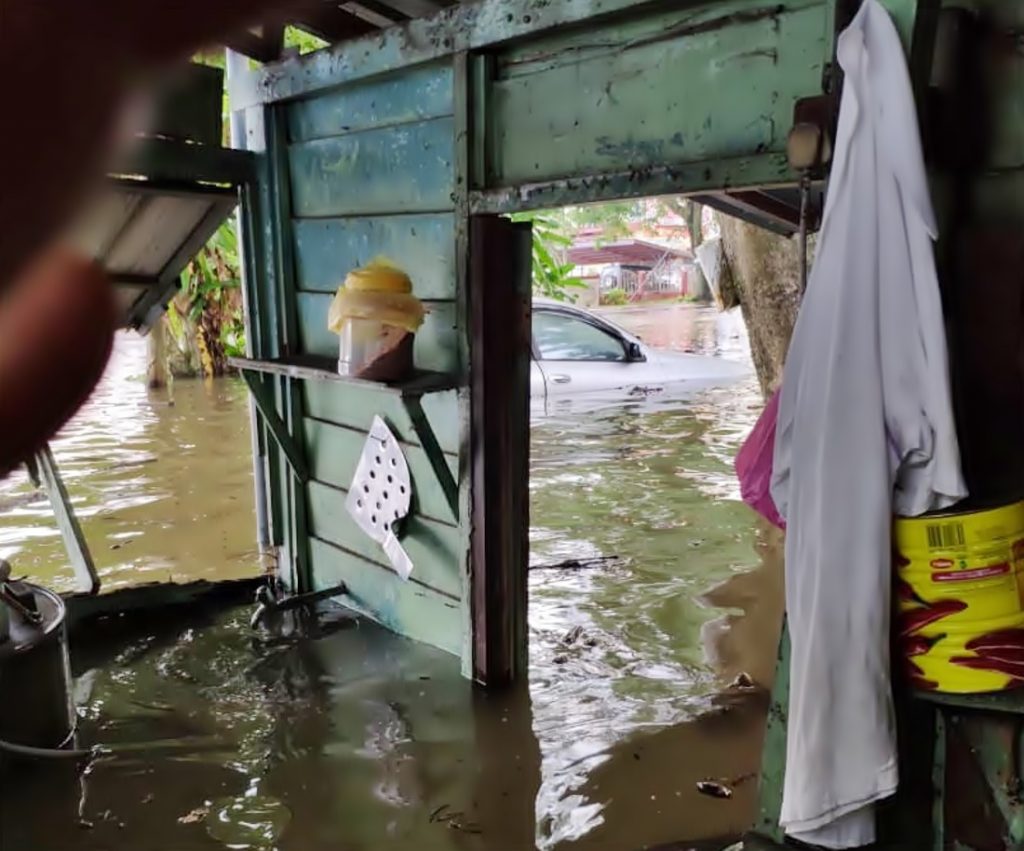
[380,494]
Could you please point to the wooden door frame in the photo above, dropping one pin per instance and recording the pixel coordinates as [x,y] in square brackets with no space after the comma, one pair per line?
[500,304]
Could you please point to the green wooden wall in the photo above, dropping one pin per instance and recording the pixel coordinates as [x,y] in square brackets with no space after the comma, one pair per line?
[385,146]
[352,174]
[370,169]
[684,86]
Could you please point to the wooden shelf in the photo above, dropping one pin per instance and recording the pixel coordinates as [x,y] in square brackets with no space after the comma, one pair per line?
[325,369]
[1011,700]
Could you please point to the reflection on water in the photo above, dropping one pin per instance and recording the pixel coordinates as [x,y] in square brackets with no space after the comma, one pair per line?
[161,483]
[686,328]
[352,738]
[617,657]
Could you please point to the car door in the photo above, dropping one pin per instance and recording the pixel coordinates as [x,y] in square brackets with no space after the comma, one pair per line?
[578,355]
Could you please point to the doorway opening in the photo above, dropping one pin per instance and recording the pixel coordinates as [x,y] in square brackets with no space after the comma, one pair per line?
[655,594]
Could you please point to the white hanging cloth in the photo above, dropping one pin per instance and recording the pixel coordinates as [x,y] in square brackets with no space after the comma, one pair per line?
[865,429]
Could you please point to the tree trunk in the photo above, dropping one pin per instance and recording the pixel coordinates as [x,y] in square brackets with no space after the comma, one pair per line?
[765,280]
[184,360]
[156,356]
[694,215]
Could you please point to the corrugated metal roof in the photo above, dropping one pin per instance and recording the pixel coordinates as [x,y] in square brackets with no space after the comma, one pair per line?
[144,234]
[629,252]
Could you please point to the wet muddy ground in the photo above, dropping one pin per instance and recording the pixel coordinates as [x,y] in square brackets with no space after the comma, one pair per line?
[335,734]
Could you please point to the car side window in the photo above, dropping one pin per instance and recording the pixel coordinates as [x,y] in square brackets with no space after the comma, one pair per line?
[561,337]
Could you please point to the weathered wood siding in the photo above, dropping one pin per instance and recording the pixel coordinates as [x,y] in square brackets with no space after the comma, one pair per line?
[371,169]
[684,86]
[358,172]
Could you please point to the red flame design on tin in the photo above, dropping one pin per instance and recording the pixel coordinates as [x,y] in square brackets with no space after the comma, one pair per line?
[1000,651]
[912,621]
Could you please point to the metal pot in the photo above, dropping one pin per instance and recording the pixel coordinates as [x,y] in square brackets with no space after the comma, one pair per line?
[36,708]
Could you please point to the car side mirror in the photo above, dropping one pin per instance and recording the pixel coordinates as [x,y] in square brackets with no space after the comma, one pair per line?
[634,352]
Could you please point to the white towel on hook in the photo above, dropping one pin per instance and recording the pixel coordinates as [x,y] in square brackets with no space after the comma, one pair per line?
[865,429]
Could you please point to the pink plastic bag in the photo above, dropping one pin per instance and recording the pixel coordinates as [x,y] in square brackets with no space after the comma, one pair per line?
[754,464]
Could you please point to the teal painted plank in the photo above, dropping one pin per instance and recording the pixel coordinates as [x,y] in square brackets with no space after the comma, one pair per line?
[404,169]
[632,95]
[432,546]
[436,344]
[352,407]
[460,27]
[407,608]
[415,95]
[423,245]
[334,453]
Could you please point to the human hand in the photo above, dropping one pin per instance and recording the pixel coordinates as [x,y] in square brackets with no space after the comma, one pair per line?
[67,66]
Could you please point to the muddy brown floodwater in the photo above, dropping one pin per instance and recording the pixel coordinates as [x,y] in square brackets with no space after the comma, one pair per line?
[334,734]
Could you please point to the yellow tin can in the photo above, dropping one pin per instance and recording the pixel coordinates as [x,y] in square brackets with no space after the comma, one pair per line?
[960,595]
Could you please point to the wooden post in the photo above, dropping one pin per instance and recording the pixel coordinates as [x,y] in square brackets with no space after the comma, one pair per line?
[156,356]
[500,299]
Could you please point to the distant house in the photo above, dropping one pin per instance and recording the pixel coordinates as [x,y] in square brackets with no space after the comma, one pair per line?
[639,268]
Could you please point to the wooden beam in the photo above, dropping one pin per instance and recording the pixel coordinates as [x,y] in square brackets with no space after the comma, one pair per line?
[169,160]
[414,8]
[265,47]
[378,14]
[155,596]
[499,282]
[760,170]
[332,24]
[151,305]
[86,578]
[756,207]
[278,430]
[468,26]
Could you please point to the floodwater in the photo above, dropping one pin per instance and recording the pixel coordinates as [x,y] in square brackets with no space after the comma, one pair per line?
[161,482]
[334,734]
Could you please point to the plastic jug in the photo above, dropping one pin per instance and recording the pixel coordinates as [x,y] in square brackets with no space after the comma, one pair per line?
[376,317]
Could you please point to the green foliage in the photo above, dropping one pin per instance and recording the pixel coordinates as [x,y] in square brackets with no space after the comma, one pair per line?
[614,297]
[306,43]
[552,274]
[207,313]
[613,218]
[232,335]
[214,269]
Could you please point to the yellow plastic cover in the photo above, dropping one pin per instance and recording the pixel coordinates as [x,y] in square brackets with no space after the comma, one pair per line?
[379,291]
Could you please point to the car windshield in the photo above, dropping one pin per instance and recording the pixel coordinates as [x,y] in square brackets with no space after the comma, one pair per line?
[559,336]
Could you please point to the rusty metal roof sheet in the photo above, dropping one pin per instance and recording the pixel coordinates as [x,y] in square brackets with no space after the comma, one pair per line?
[629,252]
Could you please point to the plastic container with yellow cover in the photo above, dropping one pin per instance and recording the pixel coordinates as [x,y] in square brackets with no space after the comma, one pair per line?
[376,316]
[960,596]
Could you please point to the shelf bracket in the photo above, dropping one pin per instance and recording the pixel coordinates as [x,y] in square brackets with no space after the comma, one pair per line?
[278,430]
[428,440]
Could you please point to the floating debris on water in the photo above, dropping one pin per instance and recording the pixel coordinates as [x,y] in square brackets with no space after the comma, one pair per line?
[722,788]
[573,635]
[713,789]
[743,681]
[195,816]
[453,820]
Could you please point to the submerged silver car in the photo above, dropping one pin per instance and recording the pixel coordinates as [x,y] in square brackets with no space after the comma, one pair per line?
[577,352]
